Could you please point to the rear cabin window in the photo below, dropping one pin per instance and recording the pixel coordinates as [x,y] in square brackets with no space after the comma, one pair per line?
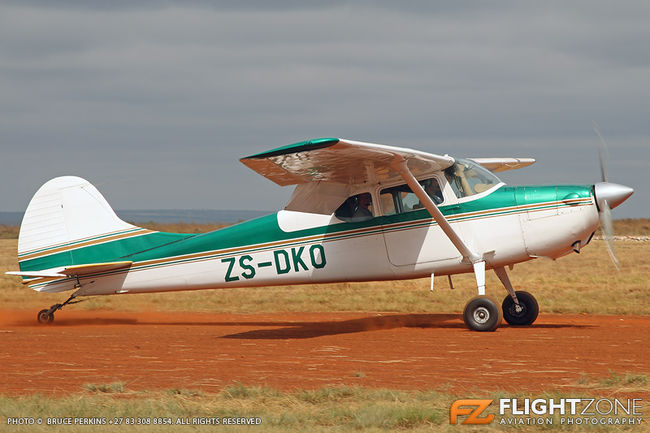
[400,198]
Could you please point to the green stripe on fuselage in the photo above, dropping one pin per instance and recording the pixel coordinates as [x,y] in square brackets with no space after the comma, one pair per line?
[104,252]
[266,230]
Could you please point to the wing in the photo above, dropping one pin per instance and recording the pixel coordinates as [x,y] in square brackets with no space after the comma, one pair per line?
[340,161]
[496,165]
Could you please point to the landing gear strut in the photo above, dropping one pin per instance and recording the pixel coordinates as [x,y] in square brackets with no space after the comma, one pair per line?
[47,316]
[482,314]
[519,308]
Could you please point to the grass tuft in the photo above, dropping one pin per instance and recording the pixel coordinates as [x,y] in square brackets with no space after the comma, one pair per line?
[239,390]
[629,382]
[627,379]
[107,388]
[183,392]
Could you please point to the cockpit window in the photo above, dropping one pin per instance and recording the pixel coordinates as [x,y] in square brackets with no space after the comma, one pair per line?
[468,178]
[356,208]
[400,199]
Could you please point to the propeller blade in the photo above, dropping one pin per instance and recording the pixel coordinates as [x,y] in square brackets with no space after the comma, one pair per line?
[608,195]
[608,230]
[602,154]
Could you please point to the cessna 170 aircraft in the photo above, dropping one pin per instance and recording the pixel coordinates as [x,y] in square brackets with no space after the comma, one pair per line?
[359,212]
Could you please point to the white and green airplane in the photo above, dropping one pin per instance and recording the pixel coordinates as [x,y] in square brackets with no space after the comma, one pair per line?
[359,212]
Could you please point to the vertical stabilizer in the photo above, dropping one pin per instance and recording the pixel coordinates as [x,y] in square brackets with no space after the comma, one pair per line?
[65,211]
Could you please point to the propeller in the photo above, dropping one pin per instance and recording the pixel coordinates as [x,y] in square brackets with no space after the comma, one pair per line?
[608,196]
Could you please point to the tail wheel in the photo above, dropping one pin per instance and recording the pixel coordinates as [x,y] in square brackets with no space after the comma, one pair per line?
[44,316]
[482,314]
[527,314]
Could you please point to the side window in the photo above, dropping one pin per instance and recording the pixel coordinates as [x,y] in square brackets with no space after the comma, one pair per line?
[432,188]
[388,203]
[400,199]
[356,208]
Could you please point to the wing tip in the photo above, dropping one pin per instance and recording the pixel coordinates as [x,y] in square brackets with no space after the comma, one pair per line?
[317,143]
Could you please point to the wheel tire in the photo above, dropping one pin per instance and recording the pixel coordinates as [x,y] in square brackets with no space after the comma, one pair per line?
[482,314]
[45,317]
[526,316]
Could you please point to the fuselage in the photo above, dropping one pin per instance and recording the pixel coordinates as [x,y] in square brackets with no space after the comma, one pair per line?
[505,225]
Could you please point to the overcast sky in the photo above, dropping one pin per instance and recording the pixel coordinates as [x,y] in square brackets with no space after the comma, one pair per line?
[155,102]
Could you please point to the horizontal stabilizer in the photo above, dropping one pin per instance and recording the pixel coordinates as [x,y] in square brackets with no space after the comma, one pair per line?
[71,271]
[94,268]
[47,273]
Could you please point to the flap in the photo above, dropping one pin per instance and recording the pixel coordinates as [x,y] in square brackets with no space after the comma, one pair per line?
[340,161]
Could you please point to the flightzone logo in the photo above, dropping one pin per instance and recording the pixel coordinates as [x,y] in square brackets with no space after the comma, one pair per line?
[548,411]
[463,408]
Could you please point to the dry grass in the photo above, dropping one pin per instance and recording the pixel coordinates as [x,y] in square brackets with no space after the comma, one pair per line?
[9,232]
[329,409]
[632,226]
[619,383]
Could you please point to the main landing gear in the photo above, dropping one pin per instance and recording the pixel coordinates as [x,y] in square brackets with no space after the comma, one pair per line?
[482,314]
[519,308]
[47,316]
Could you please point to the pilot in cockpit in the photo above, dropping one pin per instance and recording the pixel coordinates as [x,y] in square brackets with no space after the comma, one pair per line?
[432,189]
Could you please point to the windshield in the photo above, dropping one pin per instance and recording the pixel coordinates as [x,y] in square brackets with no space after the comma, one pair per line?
[468,178]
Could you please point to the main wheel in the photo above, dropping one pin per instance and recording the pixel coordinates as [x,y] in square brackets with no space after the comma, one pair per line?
[44,316]
[482,314]
[528,313]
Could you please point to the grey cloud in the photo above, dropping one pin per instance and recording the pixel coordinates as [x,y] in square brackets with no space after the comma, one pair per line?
[174,94]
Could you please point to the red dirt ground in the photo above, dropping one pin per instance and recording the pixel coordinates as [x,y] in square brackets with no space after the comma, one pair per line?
[288,351]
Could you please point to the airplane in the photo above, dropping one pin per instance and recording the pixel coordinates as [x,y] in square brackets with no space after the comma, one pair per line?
[359,212]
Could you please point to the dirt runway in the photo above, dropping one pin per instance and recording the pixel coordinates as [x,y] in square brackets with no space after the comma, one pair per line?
[311,350]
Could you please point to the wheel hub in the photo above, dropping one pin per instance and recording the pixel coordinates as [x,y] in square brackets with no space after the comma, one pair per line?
[481,315]
[517,312]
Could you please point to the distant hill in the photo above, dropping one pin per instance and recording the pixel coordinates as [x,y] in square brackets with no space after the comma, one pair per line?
[11,218]
[164,216]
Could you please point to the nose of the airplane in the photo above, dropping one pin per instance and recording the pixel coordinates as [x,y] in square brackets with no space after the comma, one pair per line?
[613,193]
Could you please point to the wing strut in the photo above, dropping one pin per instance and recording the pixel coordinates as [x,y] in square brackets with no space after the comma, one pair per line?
[399,165]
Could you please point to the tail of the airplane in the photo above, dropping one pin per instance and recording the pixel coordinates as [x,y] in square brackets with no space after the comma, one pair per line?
[64,212]
[69,230]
